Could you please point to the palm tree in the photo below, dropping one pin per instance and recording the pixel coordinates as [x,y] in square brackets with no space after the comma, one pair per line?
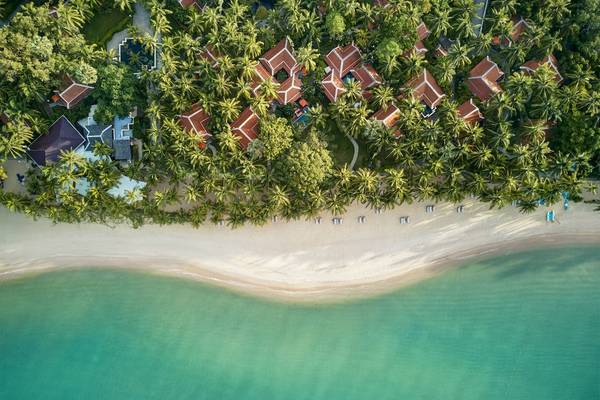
[124,5]
[308,57]
[383,96]
[229,109]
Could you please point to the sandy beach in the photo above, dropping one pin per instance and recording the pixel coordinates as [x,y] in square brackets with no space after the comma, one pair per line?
[298,260]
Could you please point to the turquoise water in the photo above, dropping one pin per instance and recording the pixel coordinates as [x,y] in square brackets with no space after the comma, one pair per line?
[523,326]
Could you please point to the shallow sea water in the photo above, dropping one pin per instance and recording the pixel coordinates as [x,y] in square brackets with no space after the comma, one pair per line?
[519,326]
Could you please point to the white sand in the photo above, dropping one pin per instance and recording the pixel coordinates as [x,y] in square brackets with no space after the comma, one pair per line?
[296,260]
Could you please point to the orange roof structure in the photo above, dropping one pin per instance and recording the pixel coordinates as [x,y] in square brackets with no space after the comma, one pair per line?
[367,76]
[260,75]
[519,26]
[422,34]
[426,89]
[532,65]
[469,112]
[333,87]
[246,127]
[281,57]
[422,31]
[483,79]
[195,120]
[188,3]
[290,90]
[342,59]
[211,54]
[72,93]
[387,116]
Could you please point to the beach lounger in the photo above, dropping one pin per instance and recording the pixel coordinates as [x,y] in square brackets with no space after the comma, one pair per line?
[550,216]
[378,211]
[404,220]
[275,218]
[337,221]
[361,219]
[318,220]
[429,208]
[220,223]
[460,209]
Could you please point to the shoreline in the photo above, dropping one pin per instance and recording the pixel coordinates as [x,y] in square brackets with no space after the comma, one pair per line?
[296,261]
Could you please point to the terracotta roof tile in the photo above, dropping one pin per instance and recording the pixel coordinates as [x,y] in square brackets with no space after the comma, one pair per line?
[333,87]
[388,116]
[483,79]
[246,127]
[469,112]
[426,89]
[342,59]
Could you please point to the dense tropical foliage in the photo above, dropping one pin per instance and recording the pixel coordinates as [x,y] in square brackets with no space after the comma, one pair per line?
[539,137]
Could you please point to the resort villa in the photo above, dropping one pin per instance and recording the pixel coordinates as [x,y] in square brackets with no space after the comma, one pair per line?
[469,112]
[388,117]
[195,122]
[246,127]
[189,3]
[422,34]
[117,135]
[70,93]
[211,55]
[483,79]
[518,28]
[531,66]
[61,136]
[279,64]
[344,63]
[424,88]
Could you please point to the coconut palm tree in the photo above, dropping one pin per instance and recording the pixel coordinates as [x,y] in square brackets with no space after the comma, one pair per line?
[308,57]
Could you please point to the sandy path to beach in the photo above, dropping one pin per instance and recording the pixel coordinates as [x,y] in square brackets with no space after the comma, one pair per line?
[297,260]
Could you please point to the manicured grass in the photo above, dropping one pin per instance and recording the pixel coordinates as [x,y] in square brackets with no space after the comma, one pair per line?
[105,23]
[341,148]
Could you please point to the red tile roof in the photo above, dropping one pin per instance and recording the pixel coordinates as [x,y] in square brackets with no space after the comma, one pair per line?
[260,75]
[333,87]
[187,3]
[422,31]
[290,90]
[211,54]
[519,26]
[483,79]
[381,3]
[532,65]
[246,127]
[342,59]
[71,92]
[280,57]
[469,112]
[388,116]
[367,76]
[426,89]
[195,120]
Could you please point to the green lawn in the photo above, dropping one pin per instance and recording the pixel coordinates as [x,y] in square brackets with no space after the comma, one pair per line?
[341,148]
[104,24]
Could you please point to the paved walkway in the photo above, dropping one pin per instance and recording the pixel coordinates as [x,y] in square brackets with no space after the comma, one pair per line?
[479,18]
[141,20]
[355,156]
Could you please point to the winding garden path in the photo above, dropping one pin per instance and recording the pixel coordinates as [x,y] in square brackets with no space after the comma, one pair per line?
[355,155]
